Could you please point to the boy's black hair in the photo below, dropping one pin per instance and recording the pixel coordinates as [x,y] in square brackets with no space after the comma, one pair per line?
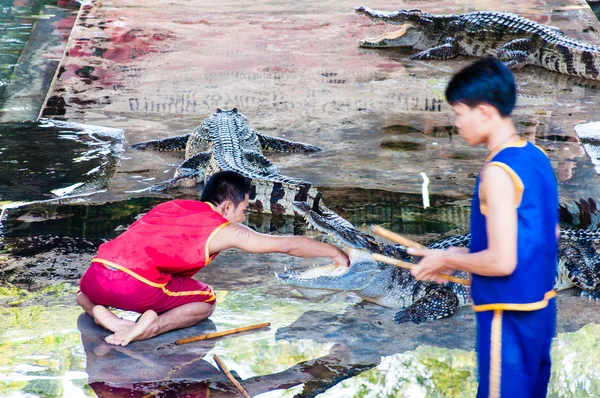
[226,185]
[486,81]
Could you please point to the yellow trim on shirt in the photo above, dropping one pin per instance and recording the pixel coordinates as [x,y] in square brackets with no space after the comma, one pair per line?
[153,284]
[210,237]
[517,144]
[128,271]
[519,186]
[496,356]
[538,305]
[541,149]
[190,293]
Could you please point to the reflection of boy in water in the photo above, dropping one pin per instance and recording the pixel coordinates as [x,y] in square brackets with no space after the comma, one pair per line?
[154,365]
[512,255]
[149,268]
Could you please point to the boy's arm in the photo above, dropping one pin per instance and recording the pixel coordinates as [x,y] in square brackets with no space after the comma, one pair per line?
[241,237]
[500,258]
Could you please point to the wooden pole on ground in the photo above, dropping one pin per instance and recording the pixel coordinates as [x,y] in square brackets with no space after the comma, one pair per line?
[230,377]
[222,333]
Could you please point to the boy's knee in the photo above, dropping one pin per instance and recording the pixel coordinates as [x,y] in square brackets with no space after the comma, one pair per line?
[204,311]
[211,309]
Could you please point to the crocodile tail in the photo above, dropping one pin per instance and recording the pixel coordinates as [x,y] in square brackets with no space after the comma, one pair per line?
[583,214]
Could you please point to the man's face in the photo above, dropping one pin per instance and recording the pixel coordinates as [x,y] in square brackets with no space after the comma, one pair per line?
[469,122]
[237,214]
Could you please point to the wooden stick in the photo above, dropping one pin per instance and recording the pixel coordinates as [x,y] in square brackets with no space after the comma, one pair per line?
[222,333]
[230,377]
[394,237]
[404,264]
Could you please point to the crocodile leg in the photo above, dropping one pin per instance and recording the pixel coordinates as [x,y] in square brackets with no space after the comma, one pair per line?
[583,275]
[187,173]
[517,53]
[439,302]
[447,50]
[176,143]
[262,164]
[269,143]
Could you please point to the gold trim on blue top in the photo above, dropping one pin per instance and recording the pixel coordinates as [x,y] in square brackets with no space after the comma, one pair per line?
[538,305]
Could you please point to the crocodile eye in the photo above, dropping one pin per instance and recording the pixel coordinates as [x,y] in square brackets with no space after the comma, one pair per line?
[234,110]
[219,110]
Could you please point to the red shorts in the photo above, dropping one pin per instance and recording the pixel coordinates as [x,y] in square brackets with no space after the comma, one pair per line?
[114,288]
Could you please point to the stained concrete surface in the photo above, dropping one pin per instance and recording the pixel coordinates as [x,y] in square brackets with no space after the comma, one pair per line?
[294,68]
[296,71]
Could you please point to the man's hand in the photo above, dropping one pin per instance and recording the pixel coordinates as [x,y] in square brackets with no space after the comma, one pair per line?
[341,258]
[434,263]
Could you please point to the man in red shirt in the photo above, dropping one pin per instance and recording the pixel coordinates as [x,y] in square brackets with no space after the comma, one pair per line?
[149,268]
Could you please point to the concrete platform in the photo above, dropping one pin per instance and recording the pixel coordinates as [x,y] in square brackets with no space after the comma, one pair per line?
[295,69]
[157,68]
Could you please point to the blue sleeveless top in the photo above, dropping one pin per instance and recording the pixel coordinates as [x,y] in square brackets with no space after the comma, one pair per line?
[530,286]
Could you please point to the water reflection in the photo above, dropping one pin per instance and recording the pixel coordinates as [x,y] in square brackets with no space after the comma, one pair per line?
[335,348]
[432,371]
[15,24]
[143,367]
[48,159]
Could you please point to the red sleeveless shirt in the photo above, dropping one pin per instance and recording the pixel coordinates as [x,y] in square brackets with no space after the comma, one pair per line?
[171,239]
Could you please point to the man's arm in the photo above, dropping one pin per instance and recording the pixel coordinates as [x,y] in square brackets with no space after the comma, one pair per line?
[500,258]
[241,237]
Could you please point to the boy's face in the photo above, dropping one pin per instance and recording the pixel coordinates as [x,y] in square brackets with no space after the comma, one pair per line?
[470,123]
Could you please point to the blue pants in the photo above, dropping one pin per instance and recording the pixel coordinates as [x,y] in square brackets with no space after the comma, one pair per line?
[513,352]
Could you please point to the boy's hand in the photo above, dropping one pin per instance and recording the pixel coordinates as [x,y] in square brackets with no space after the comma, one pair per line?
[434,263]
[458,250]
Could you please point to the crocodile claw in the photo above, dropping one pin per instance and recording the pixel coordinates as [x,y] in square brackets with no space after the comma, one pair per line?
[161,186]
[591,295]
[407,315]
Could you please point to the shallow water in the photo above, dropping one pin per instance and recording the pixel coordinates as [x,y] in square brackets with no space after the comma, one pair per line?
[295,72]
[50,349]
[16,22]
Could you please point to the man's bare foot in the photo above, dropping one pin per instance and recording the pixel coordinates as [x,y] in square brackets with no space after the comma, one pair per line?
[125,336]
[105,318]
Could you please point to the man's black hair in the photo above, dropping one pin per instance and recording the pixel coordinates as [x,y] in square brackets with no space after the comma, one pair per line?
[486,81]
[226,185]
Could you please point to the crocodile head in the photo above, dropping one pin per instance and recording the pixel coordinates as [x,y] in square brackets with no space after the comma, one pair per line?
[411,32]
[369,279]
[318,282]
[343,233]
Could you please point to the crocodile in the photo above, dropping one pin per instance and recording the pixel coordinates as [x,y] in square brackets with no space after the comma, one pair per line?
[386,285]
[371,280]
[225,141]
[514,40]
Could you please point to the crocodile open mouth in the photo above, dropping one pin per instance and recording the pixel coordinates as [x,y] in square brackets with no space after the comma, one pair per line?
[331,270]
[398,38]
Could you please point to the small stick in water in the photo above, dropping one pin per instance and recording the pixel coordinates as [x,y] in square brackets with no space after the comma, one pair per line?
[223,333]
[425,190]
[394,237]
[405,265]
[230,377]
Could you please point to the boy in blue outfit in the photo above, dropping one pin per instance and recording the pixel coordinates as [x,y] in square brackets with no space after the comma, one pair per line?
[514,234]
